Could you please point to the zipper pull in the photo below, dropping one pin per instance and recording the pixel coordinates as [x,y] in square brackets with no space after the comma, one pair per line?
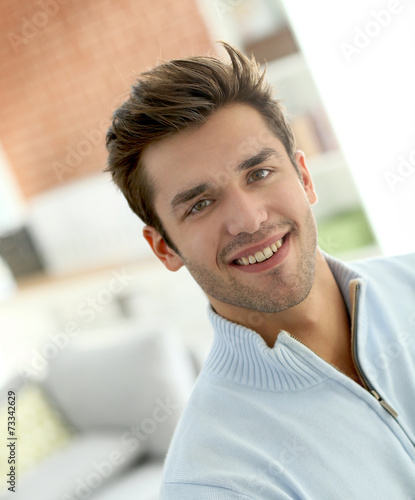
[385,405]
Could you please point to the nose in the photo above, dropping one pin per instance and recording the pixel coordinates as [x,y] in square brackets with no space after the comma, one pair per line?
[244,212]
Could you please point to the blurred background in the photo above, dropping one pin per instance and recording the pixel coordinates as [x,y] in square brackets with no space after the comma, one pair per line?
[75,272]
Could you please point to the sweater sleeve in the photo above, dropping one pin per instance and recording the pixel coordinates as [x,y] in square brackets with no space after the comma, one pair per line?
[185,491]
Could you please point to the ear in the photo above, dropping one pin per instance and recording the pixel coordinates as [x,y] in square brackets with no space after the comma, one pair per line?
[306,177]
[162,251]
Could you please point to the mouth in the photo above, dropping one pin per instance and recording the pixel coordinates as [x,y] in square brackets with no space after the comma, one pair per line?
[261,255]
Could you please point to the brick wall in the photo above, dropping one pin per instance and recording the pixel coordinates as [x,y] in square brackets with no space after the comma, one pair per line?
[65,64]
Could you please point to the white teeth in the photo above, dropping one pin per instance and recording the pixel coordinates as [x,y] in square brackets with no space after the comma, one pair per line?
[268,252]
[265,254]
[260,257]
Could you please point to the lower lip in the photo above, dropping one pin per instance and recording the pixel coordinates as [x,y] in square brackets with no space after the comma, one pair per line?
[276,259]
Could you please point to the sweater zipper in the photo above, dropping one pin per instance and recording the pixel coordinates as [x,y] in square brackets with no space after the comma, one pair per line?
[366,383]
[363,377]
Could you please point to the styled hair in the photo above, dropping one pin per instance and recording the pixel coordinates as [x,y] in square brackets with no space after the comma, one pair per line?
[175,96]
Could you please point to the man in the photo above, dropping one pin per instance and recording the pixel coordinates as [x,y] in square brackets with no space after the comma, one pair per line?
[307,392]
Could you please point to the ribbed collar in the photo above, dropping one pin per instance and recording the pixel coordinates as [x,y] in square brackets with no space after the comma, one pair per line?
[240,355]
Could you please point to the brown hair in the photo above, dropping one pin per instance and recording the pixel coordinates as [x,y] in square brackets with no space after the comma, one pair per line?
[175,96]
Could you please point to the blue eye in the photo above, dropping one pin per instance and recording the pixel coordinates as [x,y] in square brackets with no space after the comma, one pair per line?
[257,175]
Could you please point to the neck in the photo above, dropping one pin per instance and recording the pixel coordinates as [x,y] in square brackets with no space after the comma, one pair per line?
[321,321]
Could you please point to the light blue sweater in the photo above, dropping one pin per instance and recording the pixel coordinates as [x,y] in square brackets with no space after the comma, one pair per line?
[282,423]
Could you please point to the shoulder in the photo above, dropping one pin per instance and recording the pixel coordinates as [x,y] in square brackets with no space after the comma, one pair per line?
[189,491]
[203,445]
[400,260]
[400,268]
[197,426]
[390,285]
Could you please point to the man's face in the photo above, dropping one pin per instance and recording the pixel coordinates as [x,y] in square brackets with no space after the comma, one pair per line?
[225,193]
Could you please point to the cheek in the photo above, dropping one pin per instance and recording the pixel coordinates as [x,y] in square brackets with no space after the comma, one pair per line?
[200,243]
[187,238]
[291,199]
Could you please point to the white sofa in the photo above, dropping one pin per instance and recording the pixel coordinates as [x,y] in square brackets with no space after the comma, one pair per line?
[96,422]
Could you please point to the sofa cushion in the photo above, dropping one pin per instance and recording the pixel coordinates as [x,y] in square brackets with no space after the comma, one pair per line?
[41,429]
[139,483]
[79,470]
[130,380]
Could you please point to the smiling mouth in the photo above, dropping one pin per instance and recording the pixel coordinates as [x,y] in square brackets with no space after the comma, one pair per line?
[260,256]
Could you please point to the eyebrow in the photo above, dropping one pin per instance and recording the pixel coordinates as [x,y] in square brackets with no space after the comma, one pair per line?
[264,155]
[189,194]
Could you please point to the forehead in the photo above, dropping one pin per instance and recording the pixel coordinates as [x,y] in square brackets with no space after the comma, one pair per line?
[198,155]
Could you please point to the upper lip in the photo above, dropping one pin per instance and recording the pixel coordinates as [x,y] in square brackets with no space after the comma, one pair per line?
[257,248]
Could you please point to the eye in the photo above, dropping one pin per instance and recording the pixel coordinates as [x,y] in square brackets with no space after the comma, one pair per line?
[257,175]
[199,206]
